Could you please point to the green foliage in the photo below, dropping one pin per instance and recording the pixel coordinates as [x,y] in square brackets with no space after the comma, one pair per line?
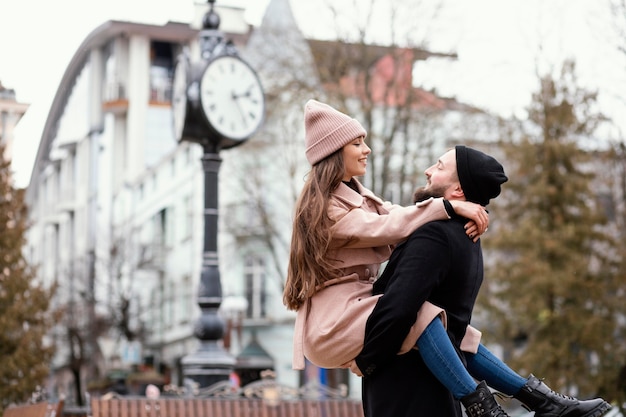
[24,316]
[556,284]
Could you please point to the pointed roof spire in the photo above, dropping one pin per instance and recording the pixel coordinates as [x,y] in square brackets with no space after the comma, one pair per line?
[279,27]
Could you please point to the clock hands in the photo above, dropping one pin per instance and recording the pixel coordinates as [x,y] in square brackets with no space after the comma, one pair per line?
[247,93]
[236,98]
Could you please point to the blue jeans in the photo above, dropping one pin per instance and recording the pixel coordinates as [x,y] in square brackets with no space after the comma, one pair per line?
[443,361]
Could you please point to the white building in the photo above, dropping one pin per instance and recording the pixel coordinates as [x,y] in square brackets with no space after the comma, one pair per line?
[117,210]
[11,111]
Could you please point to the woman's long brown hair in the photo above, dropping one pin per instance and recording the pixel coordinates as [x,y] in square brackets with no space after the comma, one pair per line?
[309,265]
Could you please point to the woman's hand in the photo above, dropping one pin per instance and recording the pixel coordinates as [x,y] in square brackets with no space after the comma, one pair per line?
[479,218]
[354,368]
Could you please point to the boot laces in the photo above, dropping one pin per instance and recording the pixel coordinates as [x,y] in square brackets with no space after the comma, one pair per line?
[500,411]
[566,397]
[558,394]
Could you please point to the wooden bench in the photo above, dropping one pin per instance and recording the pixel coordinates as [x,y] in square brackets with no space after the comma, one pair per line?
[224,407]
[42,409]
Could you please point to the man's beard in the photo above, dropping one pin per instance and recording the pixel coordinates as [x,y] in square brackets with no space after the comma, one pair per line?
[422,193]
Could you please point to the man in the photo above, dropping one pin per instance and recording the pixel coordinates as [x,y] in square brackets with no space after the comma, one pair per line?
[437,263]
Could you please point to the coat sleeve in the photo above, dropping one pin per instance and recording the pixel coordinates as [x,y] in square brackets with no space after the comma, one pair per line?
[415,269]
[360,228]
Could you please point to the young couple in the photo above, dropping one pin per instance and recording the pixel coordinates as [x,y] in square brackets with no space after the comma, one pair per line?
[408,332]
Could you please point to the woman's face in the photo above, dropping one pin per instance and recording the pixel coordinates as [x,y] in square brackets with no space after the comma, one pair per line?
[355,158]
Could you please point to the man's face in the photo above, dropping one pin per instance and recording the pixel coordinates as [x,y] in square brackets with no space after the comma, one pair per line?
[441,178]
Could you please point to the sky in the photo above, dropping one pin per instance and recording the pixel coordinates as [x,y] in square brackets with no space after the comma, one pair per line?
[501,45]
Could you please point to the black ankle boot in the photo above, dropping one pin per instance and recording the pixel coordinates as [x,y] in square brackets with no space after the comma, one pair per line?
[481,403]
[538,397]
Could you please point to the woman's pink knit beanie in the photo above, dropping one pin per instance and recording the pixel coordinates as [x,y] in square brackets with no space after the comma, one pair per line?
[327,130]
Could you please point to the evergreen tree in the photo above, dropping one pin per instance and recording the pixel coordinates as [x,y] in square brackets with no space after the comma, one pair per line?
[615,201]
[553,279]
[24,316]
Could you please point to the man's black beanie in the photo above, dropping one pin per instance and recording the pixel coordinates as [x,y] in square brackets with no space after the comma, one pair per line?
[480,175]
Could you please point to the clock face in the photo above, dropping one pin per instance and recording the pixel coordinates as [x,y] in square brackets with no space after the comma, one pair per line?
[232,98]
[179,95]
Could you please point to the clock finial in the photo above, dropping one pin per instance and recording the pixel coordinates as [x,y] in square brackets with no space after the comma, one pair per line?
[211,19]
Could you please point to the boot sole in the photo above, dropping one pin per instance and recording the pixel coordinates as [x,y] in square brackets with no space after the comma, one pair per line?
[599,410]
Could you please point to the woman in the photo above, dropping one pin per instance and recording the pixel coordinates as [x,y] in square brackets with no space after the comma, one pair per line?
[342,233]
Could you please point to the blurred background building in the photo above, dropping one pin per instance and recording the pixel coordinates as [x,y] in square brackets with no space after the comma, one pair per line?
[11,111]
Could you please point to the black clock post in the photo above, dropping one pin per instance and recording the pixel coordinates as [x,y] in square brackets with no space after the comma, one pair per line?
[201,105]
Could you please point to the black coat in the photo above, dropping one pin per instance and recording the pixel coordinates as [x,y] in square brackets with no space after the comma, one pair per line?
[438,263]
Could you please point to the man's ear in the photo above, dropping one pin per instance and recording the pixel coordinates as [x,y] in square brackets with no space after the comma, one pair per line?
[456,192]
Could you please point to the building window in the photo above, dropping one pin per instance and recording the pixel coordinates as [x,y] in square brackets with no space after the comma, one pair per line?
[255,278]
[161,65]
[161,235]
[187,220]
[155,239]
[170,298]
[186,302]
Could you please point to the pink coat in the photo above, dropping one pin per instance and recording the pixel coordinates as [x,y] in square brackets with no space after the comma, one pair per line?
[330,328]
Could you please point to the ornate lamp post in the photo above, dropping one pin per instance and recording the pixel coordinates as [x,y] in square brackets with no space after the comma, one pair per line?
[218,102]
